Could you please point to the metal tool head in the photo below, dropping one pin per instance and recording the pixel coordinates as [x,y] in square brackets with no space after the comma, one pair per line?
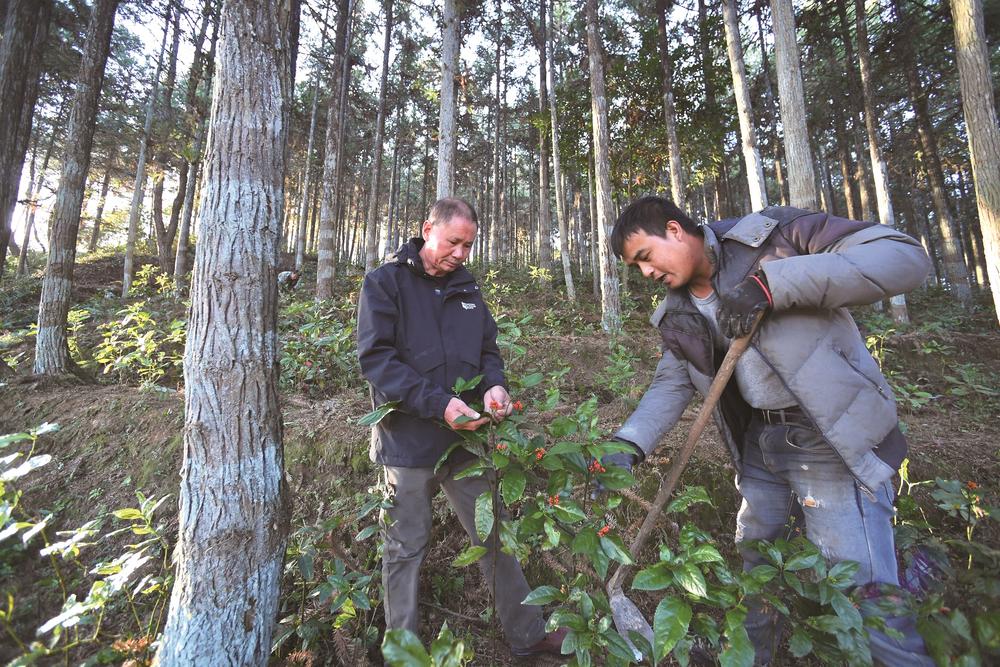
[629,619]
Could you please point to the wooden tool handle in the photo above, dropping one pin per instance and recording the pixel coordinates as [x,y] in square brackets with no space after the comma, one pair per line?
[736,350]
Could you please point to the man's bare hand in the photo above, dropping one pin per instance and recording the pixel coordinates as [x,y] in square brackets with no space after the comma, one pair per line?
[457,408]
[497,402]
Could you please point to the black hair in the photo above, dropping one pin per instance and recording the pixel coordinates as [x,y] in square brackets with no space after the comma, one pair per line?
[445,209]
[650,214]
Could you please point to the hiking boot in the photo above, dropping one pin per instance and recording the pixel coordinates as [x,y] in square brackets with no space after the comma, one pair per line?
[550,643]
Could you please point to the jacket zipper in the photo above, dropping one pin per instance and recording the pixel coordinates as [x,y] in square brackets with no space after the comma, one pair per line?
[857,370]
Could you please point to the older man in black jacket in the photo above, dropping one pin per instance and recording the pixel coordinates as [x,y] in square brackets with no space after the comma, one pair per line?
[422,324]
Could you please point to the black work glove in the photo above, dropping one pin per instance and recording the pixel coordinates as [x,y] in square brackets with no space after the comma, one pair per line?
[739,307]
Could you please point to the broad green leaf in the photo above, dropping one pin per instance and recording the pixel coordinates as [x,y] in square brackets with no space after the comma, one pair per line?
[129,514]
[691,495]
[562,426]
[543,595]
[738,651]
[653,578]
[462,385]
[691,578]
[552,533]
[602,449]
[366,532]
[670,624]
[474,470]
[704,553]
[564,447]
[402,648]
[469,556]
[567,511]
[484,515]
[616,478]
[531,380]
[613,546]
[800,644]
[378,414]
[512,484]
[846,610]
[803,561]
[585,541]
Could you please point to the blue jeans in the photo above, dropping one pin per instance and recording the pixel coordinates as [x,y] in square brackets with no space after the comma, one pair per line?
[791,470]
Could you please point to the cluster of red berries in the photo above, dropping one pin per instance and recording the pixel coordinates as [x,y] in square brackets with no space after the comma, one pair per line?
[972,486]
[494,405]
[596,467]
[539,453]
[502,447]
[553,500]
[518,405]
[603,531]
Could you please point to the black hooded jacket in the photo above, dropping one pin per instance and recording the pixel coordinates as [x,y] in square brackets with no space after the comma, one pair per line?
[417,334]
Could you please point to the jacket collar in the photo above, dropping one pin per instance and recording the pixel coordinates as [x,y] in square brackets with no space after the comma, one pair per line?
[408,255]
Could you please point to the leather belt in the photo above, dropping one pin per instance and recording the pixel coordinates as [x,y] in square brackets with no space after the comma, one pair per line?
[792,415]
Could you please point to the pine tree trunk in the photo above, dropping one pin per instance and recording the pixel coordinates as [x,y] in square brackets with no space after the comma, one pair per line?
[326,260]
[140,171]
[102,198]
[234,501]
[51,346]
[450,42]
[164,113]
[885,213]
[25,31]
[610,308]
[544,237]
[772,110]
[984,133]
[498,147]
[801,179]
[751,156]
[371,245]
[300,236]
[557,169]
[677,188]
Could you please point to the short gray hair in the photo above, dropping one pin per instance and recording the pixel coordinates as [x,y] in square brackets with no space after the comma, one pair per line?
[447,208]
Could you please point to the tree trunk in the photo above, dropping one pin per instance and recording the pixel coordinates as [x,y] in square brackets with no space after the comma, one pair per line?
[955,269]
[164,123]
[981,123]
[326,260]
[801,179]
[751,156]
[610,308]
[300,237]
[677,190]
[140,170]
[25,30]
[51,347]
[498,147]
[102,198]
[556,167]
[450,42]
[371,245]
[885,212]
[772,111]
[544,237]
[234,504]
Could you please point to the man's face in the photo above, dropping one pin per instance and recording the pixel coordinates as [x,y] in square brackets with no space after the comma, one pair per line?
[447,246]
[673,259]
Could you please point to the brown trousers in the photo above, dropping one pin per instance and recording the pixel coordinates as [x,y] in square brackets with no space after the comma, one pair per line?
[409,528]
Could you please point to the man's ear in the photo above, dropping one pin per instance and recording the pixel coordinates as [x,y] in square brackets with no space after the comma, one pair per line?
[674,228]
[426,229]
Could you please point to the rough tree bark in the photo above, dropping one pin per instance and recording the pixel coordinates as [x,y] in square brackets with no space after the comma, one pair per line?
[801,177]
[371,241]
[751,156]
[25,30]
[669,111]
[450,42]
[140,170]
[164,121]
[772,110]
[556,167]
[51,347]
[984,133]
[955,268]
[610,309]
[326,245]
[234,504]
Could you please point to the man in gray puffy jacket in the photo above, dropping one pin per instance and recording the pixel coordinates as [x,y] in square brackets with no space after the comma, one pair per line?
[810,421]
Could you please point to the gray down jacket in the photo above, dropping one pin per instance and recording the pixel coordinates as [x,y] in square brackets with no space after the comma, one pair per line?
[816,266]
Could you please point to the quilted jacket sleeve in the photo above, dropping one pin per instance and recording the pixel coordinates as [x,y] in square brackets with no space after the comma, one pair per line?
[843,263]
[661,406]
[380,361]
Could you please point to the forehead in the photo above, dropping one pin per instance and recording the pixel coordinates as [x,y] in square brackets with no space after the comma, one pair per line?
[457,226]
[638,241]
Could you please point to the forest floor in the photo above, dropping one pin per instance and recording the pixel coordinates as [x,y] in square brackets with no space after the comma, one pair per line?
[116,438]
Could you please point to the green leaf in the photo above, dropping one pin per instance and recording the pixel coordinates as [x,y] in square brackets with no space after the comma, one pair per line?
[512,484]
[402,648]
[988,630]
[484,515]
[567,511]
[562,426]
[128,514]
[586,541]
[552,533]
[462,385]
[474,470]
[613,546]
[800,644]
[378,414]
[691,578]
[543,595]
[469,556]
[366,532]
[616,478]
[564,447]
[531,380]
[846,610]
[653,578]
[691,495]
[602,449]
[803,561]
[670,624]
[704,553]
[739,651]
